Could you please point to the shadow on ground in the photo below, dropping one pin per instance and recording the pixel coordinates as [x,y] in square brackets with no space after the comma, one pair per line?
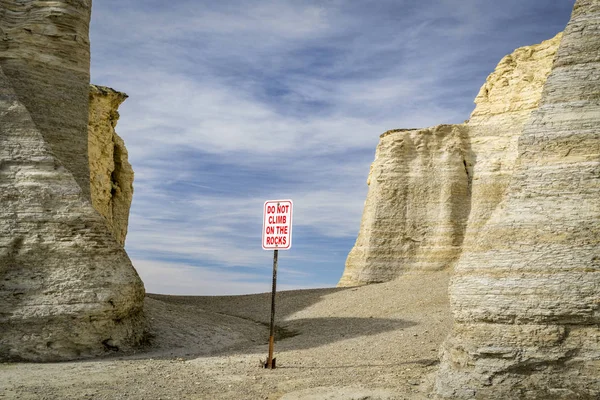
[195,326]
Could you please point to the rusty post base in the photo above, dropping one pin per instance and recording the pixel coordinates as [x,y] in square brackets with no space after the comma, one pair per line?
[266,364]
[270,363]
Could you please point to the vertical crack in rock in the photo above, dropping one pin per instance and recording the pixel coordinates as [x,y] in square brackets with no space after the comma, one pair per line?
[468,173]
[526,290]
[66,284]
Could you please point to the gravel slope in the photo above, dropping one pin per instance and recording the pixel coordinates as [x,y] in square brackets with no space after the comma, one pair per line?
[372,342]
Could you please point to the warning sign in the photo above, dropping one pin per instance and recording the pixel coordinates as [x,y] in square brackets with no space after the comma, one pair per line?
[277,225]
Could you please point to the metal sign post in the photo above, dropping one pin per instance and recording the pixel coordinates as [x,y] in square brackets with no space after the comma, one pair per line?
[276,235]
[270,360]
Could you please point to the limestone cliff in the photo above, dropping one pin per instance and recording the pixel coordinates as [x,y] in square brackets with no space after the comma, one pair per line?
[67,287]
[420,190]
[416,207]
[111,175]
[503,106]
[526,293]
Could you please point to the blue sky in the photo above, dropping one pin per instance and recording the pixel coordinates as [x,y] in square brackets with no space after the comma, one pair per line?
[232,103]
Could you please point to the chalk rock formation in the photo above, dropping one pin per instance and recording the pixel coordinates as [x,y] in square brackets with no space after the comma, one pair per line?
[67,288]
[526,292]
[417,205]
[503,106]
[111,175]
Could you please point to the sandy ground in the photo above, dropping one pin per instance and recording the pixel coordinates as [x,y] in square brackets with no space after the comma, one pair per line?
[372,342]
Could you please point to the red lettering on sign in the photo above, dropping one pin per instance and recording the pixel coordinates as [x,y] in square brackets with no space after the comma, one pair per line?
[277,224]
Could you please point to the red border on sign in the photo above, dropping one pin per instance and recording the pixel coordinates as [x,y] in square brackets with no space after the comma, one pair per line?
[275,247]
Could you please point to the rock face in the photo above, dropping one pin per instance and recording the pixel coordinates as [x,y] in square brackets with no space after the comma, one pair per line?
[67,287]
[420,190]
[417,205]
[503,106]
[526,292]
[111,175]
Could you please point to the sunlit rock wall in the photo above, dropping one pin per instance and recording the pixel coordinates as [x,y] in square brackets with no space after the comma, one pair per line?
[111,175]
[67,287]
[503,106]
[416,207]
[526,293]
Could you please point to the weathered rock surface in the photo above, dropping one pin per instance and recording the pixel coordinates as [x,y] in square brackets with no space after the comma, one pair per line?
[45,50]
[503,106]
[111,175]
[417,205]
[526,291]
[67,287]
[420,193]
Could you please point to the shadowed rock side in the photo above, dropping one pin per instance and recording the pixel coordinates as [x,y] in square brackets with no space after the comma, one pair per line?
[416,208]
[67,288]
[44,51]
[526,294]
[111,175]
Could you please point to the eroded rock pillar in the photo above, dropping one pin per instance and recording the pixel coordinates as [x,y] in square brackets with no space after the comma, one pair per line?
[67,288]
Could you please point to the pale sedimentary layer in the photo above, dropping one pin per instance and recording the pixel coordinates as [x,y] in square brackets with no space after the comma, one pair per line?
[503,107]
[526,292]
[416,207]
[111,175]
[67,288]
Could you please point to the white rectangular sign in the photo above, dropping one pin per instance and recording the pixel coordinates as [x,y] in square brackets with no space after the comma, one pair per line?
[277,225]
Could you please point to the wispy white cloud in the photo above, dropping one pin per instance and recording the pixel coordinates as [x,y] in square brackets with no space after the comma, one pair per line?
[227,231]
[186,279]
